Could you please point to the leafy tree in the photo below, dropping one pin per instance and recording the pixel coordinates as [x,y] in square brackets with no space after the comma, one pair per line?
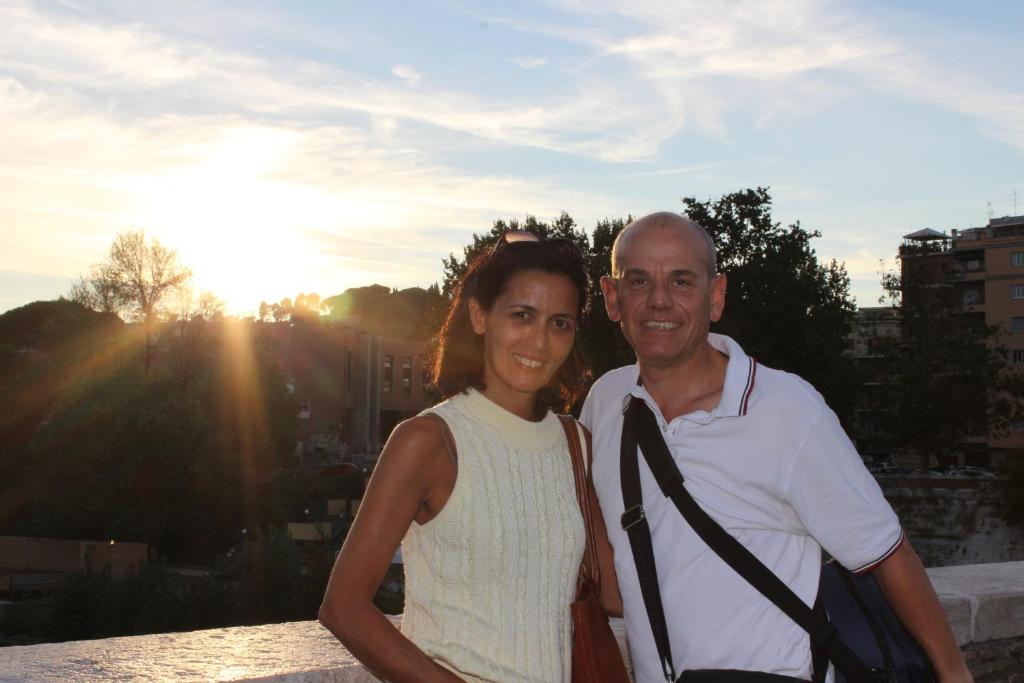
[134,281]
[144,456]
[305,306]
[602,342]
[381,310]
[952,379]
[564,227]
[42,345]
[786,309]
[282,312]
[783,306]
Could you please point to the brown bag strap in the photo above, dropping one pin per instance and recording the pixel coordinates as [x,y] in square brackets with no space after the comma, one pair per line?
[590,572]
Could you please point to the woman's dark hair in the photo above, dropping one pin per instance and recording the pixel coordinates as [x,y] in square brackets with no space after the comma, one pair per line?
[459,363]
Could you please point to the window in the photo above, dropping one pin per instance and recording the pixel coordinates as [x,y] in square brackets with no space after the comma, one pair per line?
[303,410]
[1017,291]
[1017,356]
[389,373]
[1017,324]
[407,375]
[1017,259]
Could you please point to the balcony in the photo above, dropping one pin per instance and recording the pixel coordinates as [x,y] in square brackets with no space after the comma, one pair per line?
[967,270]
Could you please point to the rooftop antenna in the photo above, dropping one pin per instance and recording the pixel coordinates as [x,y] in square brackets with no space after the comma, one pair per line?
[989,210]
[1015,202]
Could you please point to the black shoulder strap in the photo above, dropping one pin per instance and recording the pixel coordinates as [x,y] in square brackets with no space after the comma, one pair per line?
[644,426]
[634,522]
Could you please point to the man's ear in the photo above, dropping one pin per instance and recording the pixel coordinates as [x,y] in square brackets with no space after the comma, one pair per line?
[611,298]
[718,287]
[477,317]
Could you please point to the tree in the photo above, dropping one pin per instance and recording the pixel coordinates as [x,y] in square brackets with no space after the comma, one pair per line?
[190,330]
[43,345]
[564,227]
[133,282]
[952,381]
[143,456]
[784,307]
[603,344]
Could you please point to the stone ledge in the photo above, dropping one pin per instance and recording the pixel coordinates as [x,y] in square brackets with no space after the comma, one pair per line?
[985,603]
[299,652]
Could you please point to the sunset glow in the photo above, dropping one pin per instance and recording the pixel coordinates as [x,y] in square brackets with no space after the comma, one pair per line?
[281,150]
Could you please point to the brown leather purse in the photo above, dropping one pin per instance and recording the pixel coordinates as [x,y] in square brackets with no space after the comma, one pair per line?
[595,651]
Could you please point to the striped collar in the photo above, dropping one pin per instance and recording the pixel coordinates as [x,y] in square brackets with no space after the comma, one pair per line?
[740,376]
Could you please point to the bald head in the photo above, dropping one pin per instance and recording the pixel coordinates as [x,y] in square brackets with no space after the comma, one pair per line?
[662,221]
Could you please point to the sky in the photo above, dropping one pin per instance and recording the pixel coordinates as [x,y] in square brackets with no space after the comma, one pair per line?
[314,146]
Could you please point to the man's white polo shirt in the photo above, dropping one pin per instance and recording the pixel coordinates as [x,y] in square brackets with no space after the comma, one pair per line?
[772,465]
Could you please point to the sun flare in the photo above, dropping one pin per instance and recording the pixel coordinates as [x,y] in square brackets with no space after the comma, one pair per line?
[234,221]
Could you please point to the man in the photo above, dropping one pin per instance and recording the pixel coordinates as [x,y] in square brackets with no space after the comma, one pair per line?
[760,452]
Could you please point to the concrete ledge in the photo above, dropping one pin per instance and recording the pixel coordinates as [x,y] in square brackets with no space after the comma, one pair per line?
[984,601]
[985,604]
[298,652]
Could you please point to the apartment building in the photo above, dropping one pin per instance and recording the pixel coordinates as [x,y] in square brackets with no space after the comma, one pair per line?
[985,268]
[873,334]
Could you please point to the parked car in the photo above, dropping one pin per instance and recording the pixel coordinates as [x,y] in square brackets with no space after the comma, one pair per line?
[972,471]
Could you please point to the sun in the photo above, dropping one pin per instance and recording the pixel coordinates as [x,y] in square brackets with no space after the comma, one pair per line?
[234,219]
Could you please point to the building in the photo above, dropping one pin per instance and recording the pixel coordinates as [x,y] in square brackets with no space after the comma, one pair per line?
[873,335]
[39,565]
[985,268]
[352,387]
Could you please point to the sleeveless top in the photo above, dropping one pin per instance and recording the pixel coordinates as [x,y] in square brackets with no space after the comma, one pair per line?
[489,580]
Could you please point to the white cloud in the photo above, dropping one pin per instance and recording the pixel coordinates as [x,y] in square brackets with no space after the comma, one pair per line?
[406,73]
[680,170]
[295,205]
[528,62]
[97,118]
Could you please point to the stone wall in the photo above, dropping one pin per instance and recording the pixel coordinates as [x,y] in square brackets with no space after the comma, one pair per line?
[985,604]
[958,521]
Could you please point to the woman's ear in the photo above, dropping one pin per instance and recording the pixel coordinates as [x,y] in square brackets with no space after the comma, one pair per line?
[477,316]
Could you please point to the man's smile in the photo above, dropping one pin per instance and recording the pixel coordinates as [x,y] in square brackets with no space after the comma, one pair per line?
[660,324]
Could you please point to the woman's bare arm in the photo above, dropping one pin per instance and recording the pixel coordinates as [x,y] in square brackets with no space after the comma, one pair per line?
[411,483]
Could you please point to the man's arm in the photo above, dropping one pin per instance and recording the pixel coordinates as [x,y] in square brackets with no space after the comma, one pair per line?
[906,586]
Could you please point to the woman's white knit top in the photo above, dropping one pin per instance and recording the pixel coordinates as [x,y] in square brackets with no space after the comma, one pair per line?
[489,580]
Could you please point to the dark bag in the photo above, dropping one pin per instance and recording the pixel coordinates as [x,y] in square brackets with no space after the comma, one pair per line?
[595,651]
[850,612]
[868,625]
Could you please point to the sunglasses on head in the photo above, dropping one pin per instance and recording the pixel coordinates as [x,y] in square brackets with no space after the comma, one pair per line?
[512,236]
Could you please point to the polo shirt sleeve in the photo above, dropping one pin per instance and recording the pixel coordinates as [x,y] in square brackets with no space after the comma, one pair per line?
[838,501]
[587,412]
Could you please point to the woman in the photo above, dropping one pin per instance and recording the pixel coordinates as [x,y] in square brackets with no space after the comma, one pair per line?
[481,499]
